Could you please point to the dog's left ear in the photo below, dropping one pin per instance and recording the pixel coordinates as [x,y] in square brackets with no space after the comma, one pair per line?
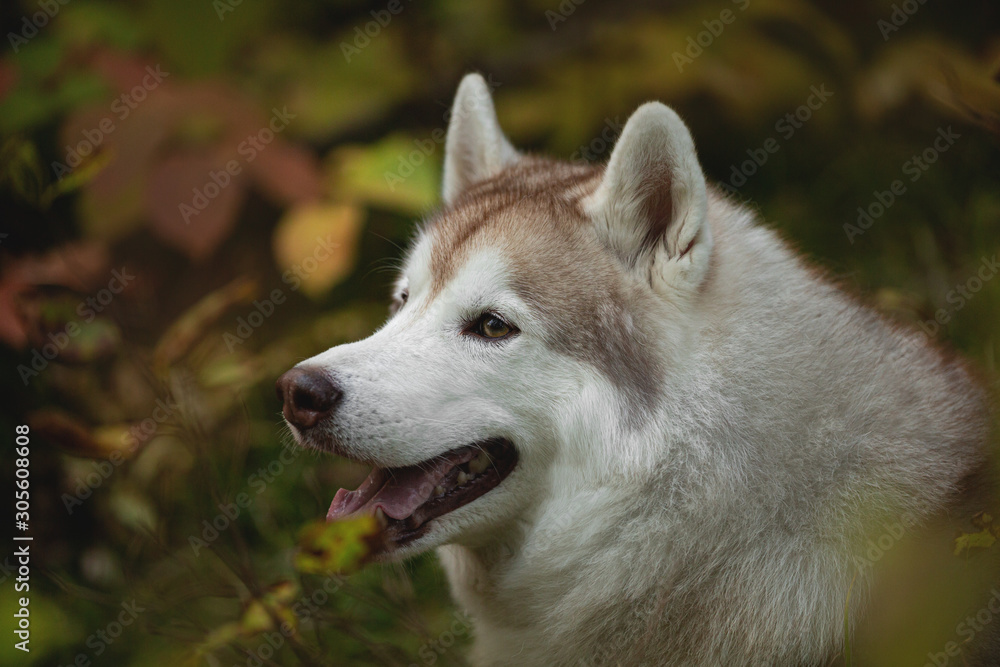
[476,147]
[651,206]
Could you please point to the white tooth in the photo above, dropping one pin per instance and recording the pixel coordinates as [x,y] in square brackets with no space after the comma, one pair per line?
[380,516]
[462,478]
[480,463]
[438,490]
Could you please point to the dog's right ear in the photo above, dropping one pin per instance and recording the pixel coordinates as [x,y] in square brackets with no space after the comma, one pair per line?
[476,147]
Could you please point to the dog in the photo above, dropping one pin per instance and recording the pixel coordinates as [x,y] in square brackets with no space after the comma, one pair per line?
[638,428]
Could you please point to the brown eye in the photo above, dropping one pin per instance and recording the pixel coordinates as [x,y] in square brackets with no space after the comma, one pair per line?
[491,326]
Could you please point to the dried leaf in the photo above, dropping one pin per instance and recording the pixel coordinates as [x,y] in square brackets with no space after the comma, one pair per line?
[112,204]
[193,201]
[288,174]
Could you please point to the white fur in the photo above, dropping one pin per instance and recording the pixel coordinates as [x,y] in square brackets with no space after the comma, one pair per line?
[721,528]
[654,152]
[475,147]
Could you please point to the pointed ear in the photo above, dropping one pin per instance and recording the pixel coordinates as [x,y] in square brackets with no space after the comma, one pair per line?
[476,147]
[651,205]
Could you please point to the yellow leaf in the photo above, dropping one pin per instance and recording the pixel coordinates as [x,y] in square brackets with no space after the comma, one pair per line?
[315,245]
[969,541]
[339,546]
[256,618]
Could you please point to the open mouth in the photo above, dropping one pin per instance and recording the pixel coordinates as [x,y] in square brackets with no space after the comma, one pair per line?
[405,500]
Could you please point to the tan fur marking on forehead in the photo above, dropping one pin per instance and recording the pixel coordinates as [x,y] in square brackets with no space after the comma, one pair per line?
[534,186]
[559,267]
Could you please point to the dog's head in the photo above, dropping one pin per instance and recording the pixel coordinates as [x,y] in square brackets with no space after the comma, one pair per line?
[534,323]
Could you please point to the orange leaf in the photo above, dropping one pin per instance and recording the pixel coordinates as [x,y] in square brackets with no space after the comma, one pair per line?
[317,244]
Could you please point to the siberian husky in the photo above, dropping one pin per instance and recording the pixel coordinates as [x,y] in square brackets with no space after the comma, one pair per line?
[637,427]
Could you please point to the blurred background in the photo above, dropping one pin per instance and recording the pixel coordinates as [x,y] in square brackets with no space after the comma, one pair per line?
[195,195]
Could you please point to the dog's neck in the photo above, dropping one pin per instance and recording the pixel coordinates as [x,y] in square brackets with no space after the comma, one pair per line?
[526,579]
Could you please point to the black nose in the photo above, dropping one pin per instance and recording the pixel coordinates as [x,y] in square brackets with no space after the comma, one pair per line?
[308,396]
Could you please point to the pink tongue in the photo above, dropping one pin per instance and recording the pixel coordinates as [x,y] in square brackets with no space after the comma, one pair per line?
[398,491]
[348,502]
